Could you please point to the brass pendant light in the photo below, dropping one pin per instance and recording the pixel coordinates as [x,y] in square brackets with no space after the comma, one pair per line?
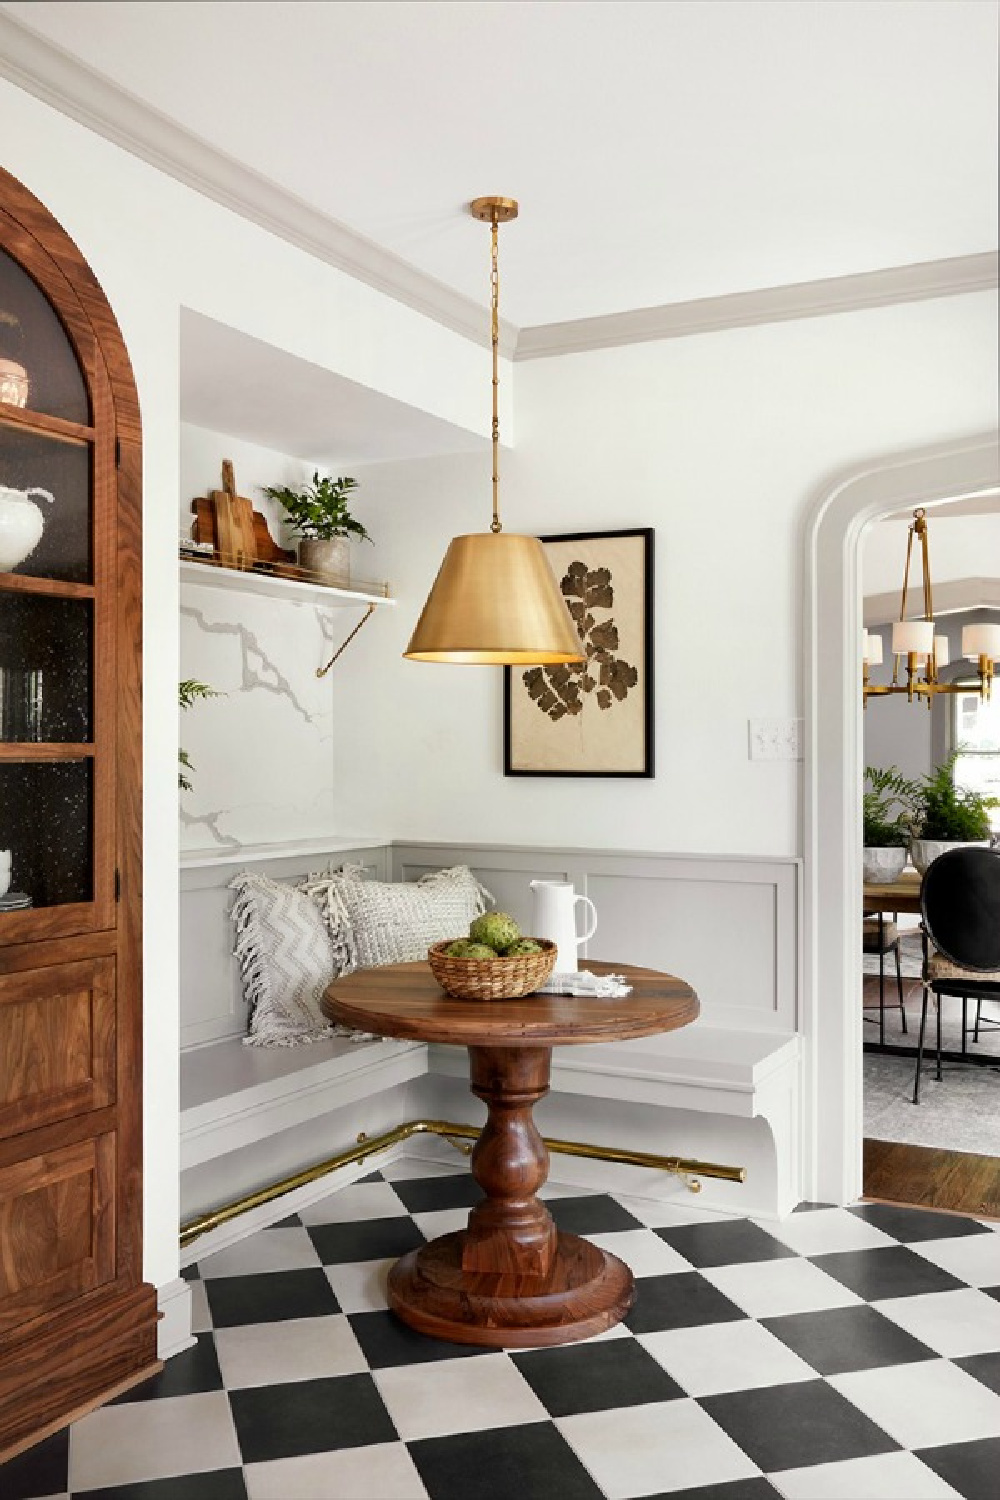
[495,601]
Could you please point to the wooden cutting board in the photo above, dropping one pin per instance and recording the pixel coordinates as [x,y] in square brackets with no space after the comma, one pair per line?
[233,522]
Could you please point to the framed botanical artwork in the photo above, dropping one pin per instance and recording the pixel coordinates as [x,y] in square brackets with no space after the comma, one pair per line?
[594,718]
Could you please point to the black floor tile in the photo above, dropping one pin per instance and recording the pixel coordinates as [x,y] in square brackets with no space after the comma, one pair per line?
[992,1291]
[970,1468]
[889,1271]
[839,1339]
[385,1340]
[529,1463]
[728,1243]
[596,1213]
[790,1426]
[808,1208]
[309,1416]
[42,1470]
[425,1195]
[193,1370]
[365,1239]
[595,1377]
[734,1489]
[985,1368]
[292,1222]
[191,1273]
[684,1300]
[271,1297]
[218,1484]
[912,1224]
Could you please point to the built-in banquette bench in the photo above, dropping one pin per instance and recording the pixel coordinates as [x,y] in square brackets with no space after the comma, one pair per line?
[724,1089]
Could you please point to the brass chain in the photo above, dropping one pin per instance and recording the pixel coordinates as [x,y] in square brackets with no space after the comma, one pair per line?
[495,340]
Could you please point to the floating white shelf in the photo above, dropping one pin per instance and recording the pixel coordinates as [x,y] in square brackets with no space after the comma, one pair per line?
[245,854]
[290,589]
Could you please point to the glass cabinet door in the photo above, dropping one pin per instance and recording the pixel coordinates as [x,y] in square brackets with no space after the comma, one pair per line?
[56,610]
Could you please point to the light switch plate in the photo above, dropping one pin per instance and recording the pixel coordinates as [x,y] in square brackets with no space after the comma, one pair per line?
[775,739]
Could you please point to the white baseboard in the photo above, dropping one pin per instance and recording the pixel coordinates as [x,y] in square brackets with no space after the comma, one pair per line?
[173,1334]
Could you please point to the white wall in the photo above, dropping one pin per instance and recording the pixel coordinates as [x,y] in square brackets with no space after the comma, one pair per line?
[722,443]
[156,246]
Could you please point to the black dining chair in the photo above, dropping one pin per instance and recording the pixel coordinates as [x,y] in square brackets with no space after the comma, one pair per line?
[882,937]
[960,907]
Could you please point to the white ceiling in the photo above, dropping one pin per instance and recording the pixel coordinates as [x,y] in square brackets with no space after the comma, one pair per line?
[662,150]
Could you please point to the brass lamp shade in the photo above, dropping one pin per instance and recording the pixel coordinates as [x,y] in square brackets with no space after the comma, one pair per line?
[495,602]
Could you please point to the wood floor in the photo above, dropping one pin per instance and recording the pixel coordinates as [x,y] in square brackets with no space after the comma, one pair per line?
[926,1177]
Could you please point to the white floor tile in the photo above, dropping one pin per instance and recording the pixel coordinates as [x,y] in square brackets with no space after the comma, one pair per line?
[647,1450]
[269,1250]
[457,1395]
[384,1471]
[297,1349]
[973,1258]
[152,1440]
[201,1318]
[360,1285]
[405,1167]
[770,1288]
[825,1231]
[441,1221]
[950,1323]
[643,1252]
[923,1405]
[889,1476]
[360,1200]
[725,1357]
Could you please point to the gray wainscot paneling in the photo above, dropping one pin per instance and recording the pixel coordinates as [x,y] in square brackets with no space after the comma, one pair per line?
[728,925]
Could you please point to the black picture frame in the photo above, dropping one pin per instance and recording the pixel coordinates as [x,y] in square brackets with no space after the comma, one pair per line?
[527,753]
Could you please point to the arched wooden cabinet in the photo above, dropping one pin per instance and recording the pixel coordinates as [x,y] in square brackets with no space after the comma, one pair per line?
[76,1320]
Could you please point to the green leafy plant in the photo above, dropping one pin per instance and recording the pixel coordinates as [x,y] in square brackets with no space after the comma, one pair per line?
[188,692]
[319,511]
[942,811]
[886,807]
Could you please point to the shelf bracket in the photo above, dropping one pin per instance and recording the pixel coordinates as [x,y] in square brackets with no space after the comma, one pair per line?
[322,671]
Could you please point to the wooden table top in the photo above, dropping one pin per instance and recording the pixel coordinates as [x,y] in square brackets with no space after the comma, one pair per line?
[405,1000]
[897,895]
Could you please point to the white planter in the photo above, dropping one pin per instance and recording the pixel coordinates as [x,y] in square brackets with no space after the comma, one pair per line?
[883,865]
[330,561]
[924,852]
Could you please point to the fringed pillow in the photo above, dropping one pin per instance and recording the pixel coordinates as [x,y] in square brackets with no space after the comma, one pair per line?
[395,922]
[287,955]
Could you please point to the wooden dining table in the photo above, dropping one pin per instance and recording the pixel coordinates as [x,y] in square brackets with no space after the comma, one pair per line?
[510,1278]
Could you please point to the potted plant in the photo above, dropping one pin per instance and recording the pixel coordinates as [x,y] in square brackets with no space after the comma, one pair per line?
[319,514]
[945,816]
[885,809]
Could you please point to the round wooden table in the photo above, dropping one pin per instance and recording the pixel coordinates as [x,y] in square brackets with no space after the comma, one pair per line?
[510,1278]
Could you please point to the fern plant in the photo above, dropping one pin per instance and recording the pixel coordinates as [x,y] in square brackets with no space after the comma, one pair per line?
[319,511]
[189,690]
[887,790]
[946,813]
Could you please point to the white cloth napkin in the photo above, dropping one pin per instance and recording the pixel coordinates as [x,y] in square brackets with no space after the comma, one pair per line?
[603,987]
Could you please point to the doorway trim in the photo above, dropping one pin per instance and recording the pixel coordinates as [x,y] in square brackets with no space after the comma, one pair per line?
[831,1020]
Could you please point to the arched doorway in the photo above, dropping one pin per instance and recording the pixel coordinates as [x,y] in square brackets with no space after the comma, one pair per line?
[831,1019]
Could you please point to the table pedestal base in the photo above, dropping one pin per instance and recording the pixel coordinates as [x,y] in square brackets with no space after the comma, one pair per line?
[584,1292]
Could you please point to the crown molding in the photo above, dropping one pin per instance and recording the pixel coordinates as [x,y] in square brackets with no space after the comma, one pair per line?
[74,89]
[51,74]
[950,596]
[777,304]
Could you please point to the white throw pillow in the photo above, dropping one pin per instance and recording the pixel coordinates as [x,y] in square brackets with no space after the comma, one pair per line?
[287,956]
[395,922]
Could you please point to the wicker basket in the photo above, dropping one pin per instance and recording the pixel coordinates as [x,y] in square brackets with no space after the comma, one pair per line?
[491,978]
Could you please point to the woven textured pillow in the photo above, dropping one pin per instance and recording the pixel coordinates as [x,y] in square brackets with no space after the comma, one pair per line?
[287,956]
[395,922]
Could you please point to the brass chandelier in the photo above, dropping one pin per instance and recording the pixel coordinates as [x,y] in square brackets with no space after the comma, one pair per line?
[924,652]
[495,600]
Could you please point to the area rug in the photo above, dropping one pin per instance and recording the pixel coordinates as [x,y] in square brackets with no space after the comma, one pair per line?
[961,1113]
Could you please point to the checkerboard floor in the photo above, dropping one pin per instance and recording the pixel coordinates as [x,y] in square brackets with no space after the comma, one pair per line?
[844,1353]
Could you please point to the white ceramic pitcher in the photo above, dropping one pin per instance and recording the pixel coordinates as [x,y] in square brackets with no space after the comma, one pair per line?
[553,916]
[21,524]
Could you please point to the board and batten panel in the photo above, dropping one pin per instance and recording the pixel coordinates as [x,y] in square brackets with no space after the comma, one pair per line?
[729,926]
[211,994]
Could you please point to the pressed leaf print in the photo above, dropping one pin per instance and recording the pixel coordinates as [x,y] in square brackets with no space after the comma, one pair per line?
[561,690]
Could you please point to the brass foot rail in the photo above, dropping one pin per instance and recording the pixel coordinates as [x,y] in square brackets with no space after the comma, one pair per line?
[367,1146]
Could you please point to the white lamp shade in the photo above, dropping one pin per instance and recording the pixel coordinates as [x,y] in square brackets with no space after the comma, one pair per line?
[981,640]
[912,635]
[942,655]
[871,648]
